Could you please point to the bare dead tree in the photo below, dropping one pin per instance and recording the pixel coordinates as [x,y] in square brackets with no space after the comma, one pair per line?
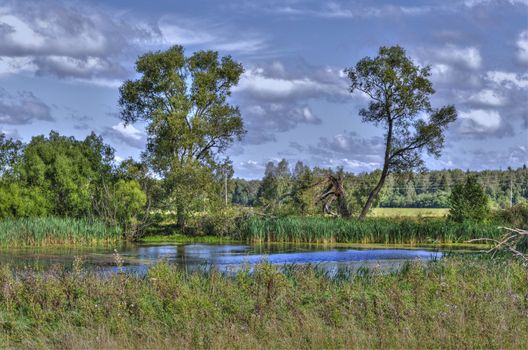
[509,242]
[334,190]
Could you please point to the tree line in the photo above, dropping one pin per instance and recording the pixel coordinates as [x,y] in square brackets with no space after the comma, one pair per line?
[184,101]
[298,188]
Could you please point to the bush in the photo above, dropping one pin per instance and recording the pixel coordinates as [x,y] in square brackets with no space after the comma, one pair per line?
[222,222]
[468,201]
[516,216]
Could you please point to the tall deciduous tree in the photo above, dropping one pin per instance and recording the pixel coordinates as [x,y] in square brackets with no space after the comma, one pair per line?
[184,101]
[399,93]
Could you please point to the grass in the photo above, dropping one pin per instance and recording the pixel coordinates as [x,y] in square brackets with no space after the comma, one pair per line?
[182,238]
[452,303]
[409,212]
[373,230]
[55,231]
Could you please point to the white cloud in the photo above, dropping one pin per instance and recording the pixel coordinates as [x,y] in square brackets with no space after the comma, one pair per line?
[259,83]
[480,121]
[127,134]
[468,57]
[176,34]
[176,31]
[488,97]
[22,108]
[15,65]
[128,131]
[508,80]
[522,47]
[67,41]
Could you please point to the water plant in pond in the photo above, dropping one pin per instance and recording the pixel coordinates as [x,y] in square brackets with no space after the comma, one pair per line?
[53,230]
[380,230]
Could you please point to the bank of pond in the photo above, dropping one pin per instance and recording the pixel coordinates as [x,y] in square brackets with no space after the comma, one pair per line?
[457,302]
[69,231]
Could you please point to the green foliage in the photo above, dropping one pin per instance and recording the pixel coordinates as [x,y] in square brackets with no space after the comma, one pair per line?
[400,93]
[56,175]
[442,304]
[468,201]
[129,202]
[429,189]
[17,201]
[51,230]
[378,230]
[184,101]
[516,216]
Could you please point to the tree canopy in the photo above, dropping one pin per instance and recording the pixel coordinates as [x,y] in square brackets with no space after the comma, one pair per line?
[190,121]
[400,93]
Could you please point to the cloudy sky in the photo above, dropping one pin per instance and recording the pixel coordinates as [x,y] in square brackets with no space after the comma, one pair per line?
[61,63]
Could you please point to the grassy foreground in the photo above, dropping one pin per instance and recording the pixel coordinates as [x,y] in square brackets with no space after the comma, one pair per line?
[379,230]
[444,304]
[55,231]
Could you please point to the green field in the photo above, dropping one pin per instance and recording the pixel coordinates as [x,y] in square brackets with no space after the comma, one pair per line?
[409,212]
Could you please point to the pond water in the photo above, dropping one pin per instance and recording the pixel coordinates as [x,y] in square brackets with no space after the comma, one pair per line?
[224,257]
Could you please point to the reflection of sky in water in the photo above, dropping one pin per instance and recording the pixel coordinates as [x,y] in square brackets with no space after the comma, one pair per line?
[225,258]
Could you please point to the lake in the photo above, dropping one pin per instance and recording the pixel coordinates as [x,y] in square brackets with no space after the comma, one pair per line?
[224,257]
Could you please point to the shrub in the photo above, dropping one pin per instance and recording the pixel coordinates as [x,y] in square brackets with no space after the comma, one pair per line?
[468,201]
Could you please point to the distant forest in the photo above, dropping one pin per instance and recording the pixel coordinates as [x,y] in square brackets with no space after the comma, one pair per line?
[283,185]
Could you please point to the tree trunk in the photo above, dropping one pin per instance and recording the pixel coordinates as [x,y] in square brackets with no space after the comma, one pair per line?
[373,195]
[375,192]
[180,216]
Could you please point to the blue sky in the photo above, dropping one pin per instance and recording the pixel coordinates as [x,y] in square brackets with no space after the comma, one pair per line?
[61,63]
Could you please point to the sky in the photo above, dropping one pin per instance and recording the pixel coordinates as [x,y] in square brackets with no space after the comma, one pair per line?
[62,62]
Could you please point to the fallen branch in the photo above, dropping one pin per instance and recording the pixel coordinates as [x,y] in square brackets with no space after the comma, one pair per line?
[508,243]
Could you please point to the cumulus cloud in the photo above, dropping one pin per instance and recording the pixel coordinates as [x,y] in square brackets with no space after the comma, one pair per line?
[263,121]
[508,80]
[22,107]
[53,38]
[74,42]
[350,150]
[126,134]
[275,98]
[451,55]
[488,97]
[273,82]
[522,47]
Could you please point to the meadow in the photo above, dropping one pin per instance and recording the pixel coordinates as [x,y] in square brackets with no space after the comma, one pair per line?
[452,303]
[410,212]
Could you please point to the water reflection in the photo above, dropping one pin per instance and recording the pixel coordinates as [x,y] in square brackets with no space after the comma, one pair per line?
[225,258]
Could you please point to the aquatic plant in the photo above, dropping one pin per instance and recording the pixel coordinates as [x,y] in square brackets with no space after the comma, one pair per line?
[53,230]
[375,230]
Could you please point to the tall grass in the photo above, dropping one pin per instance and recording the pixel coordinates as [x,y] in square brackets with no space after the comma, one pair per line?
[53,230]
[374,230]
[466,303]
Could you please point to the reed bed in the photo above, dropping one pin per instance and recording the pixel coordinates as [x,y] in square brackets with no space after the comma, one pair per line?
[53,230]
[374,230]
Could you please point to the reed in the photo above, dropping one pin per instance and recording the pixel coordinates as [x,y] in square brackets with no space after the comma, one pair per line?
[54,230]
[374,230]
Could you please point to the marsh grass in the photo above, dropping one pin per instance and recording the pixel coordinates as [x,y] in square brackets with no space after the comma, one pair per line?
[452,303]
[374,230]
[55,231]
